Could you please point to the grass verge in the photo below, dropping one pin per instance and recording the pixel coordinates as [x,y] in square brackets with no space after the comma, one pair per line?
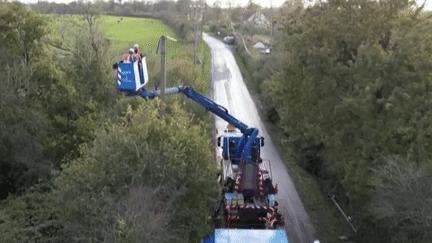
[205,65]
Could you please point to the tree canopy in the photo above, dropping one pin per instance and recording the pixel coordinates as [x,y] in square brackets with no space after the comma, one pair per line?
[80,162]
[353,92]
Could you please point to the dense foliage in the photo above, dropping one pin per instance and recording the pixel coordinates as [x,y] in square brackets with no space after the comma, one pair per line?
[141,159]
[27,91]
[79,161]
[353,97]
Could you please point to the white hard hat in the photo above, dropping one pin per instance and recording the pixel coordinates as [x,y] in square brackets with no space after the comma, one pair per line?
[131,50]
[136,46]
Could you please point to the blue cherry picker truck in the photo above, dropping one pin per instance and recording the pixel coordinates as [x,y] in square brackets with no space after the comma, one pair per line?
[248,207]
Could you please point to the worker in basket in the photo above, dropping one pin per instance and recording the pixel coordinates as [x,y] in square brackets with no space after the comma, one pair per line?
[128,57]
[137,55]
[137,52]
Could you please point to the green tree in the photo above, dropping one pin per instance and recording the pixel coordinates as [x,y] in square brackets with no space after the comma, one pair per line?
[23,30]
[402,199]
[29,78]
[21,122]
[33,217]
[252,6]
[354,89]
[168,157]
[87,61]
[183,7]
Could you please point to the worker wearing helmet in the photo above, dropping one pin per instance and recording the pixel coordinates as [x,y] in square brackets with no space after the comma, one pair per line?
[137,52]
[127,57]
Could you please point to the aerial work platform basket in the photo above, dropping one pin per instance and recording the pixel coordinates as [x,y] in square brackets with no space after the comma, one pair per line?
[131,76]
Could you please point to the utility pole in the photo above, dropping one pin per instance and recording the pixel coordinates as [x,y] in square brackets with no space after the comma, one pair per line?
[163,51]
[272,26]
[195,33]
[195,22]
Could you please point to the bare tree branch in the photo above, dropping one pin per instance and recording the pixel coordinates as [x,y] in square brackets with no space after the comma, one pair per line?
[69,50]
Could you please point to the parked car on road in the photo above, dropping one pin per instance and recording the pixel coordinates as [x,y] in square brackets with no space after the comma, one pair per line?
[230,40]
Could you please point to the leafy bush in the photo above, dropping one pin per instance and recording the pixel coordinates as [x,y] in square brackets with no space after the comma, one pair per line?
[169,155]
[34,217]
[402,199]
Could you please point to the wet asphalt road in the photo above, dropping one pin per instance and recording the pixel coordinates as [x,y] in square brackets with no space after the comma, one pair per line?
[230,91]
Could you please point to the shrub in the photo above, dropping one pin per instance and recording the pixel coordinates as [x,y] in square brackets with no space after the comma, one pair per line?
[169,154]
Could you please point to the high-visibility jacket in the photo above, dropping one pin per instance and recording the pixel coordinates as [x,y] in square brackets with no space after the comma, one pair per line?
[127,57]
[138,51]
[136,56]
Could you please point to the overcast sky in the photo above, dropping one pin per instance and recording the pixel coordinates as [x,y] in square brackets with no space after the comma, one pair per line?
[224,3]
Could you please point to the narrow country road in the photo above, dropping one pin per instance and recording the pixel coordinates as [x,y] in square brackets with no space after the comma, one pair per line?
[230,91]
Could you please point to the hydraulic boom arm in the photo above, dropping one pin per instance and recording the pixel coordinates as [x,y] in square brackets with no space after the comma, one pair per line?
[248,198]
[249,134]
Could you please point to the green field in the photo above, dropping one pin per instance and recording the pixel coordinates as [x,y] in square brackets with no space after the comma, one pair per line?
[127,31]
